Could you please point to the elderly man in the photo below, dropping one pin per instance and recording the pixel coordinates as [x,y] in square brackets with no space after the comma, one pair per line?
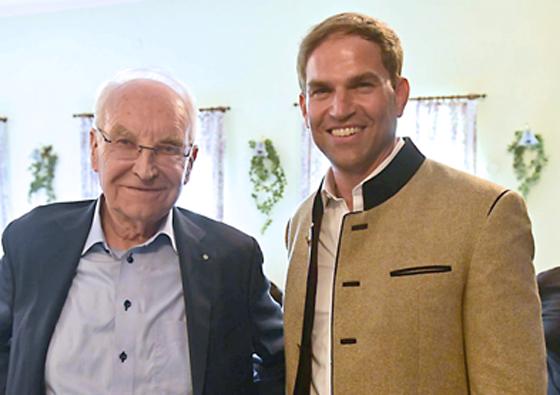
[128,294]
[415,278]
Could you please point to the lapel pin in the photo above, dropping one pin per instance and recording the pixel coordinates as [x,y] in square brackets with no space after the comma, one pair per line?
[308,237]
[205,257]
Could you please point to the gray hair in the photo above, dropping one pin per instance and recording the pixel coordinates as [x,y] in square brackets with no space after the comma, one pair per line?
[128,75]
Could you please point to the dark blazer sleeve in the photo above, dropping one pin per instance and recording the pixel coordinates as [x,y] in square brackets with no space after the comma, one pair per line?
[549,290]
[6,297]
[267,331]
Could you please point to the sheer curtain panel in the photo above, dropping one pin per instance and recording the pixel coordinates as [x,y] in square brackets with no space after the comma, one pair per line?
[4,160]
[443,128]
[89,182]
[204,193]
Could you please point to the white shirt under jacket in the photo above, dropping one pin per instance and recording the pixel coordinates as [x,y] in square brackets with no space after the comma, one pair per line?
[122,329]
[334,210]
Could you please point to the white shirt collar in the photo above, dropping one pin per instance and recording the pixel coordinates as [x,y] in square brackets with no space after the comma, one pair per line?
[357,195]
[96,230]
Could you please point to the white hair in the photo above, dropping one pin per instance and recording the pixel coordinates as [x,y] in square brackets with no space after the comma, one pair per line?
[128,75]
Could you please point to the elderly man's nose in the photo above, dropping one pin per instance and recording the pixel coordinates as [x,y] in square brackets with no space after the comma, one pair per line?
[144,165]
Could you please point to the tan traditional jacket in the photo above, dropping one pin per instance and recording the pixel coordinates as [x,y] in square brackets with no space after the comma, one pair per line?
[434,288]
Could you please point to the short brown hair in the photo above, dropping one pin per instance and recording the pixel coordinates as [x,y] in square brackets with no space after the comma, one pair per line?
[350,23]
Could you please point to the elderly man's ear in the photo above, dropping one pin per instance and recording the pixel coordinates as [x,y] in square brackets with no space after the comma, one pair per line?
[190,162]
[93,145]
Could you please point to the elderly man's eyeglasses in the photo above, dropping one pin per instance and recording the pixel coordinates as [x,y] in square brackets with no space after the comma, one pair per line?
[125,149]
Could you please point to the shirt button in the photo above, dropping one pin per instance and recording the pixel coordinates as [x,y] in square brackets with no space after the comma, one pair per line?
[130,259]
[122,356]
[127,305]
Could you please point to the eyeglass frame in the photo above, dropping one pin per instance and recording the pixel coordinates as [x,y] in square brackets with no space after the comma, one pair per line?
[139,147]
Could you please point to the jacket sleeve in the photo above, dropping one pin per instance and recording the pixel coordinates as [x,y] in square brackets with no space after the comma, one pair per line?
[267,331]
[504,342]
[549,291]
[6,297]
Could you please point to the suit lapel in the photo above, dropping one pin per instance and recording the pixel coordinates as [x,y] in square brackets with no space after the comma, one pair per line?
[199,287]
[63,255]
[60,256]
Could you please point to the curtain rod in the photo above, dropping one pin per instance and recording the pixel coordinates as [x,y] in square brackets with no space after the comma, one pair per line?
[3,119]
[470,96]
[219,108]
[83,115]
[204,109]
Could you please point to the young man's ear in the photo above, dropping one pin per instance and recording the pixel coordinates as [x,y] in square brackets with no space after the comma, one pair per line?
[402,90]
[94,150]
[190,161]
[303,108]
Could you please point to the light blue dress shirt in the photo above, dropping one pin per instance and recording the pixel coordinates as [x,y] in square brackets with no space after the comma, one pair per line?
[122,329]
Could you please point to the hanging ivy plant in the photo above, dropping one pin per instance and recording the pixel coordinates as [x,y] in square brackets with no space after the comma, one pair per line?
[267,176]
[42,169]
[527,169]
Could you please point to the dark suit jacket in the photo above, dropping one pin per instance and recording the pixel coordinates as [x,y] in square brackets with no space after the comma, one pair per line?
[549,290]
[230,312]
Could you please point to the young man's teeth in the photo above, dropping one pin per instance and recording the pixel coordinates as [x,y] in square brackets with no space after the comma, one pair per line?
[344,132]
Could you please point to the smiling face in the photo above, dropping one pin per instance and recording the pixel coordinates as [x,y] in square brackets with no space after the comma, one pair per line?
[140,191]
[350,104]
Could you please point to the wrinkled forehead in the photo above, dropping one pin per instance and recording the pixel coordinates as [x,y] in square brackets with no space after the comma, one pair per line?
[145,104]
[148,93]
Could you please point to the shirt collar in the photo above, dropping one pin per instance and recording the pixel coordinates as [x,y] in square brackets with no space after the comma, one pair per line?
[328,189]
[96,230]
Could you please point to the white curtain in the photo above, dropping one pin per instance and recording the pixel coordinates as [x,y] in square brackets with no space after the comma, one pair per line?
[4,194]
[314,164]
[90,184]
[204,192]
[443,129]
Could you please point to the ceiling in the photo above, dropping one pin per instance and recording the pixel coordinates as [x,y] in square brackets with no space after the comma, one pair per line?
[23,7]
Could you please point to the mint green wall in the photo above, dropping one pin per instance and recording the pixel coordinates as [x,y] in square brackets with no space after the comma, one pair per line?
[242,54]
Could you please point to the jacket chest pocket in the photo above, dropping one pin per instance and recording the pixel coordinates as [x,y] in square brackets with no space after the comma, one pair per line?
[433,293]
[429,284]
[419,270]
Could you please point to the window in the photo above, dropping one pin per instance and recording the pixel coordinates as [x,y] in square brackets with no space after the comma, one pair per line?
[204,193]
[314,164]
[4,158]
[89,183]
[443,128]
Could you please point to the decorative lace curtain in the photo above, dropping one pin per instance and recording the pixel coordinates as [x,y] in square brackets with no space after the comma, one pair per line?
[4,195]
[89,181]
[204,193]
[443,128]
[314,164]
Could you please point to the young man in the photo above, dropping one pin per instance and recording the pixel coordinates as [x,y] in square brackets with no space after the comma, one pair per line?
[406,276]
